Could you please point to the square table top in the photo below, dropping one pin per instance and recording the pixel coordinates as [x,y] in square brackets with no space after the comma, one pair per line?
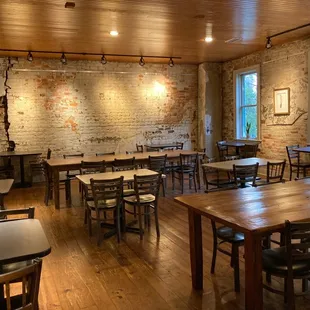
[22,240]
[256,209]
[228,164]
[128,175]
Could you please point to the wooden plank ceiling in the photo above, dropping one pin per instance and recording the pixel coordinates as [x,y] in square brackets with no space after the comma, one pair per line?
[162,27]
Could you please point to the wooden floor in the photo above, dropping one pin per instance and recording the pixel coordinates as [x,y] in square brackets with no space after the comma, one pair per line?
[149,274]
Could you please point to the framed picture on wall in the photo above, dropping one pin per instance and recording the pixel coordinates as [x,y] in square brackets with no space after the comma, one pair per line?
[281,98]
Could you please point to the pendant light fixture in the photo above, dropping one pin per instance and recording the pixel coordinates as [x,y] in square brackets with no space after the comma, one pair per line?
[63,59]
[171,63]
[103,60]
[29,57]
[141,62]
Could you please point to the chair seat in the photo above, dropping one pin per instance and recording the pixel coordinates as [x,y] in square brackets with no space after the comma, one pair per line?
[147,198]
[186,169]
[274,262]
[228,234]
[103,204]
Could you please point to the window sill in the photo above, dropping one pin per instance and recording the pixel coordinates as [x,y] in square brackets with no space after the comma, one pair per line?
[255,141]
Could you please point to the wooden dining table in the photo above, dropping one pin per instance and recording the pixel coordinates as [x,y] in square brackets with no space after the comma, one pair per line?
[229,164]
[256,212]
[21,155]
[57,165]
[163,145]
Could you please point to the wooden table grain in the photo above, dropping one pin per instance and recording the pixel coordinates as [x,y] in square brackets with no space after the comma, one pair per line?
[60,164]
[253,211]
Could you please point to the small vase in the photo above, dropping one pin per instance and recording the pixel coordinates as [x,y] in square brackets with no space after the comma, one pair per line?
[248,136]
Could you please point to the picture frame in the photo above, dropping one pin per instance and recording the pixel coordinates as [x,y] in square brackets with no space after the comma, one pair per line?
[281,100]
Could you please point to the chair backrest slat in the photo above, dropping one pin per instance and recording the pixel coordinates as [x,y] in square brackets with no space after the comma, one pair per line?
[158,163]
[88,167]
[245,173]
[102,154]
[124,164]
[291,154]
[147,185]
[189,162]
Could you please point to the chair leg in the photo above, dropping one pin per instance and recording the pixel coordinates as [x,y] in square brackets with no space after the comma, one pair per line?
[172,177]
[89,223]
[182,182]
[163,187]
[214,254]
[118,223]
[235,253]
[156,221]
[98,232]
[123,217]
[304,285]
[291,172]
[195,185]
[140,222]
[290,294]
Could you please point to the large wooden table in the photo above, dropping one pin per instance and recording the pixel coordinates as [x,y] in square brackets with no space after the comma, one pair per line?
[21,155]
[253,211]
[60,164]
[228,164]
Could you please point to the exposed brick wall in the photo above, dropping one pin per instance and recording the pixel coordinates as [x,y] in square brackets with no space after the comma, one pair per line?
[94,108]
[281,66]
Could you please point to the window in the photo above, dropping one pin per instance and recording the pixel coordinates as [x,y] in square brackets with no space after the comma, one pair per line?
[246,86]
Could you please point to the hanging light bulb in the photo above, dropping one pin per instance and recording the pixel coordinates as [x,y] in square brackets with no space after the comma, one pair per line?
[103,60]
[63,59]
[268,43]
[171,63]
[141,62]
[29,57]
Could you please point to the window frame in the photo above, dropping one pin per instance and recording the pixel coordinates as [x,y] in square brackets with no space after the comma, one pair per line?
[238,97]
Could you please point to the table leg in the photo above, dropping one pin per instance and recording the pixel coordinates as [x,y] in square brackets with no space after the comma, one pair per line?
[56,188]
[22,171]
[195,242]
[253,272]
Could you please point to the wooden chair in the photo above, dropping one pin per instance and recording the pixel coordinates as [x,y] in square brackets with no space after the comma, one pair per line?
[123,165]
[139,148]
[223,150]
[28,297]
[275,172]
[223,235]
[72,173]
[152,149]
[25,211]
[188,167]
[49,185]
[90,167]
[293,158]
[244,174]
[37,167]
[158,164]
[7,172]
[102,154]
[249,150]
[291,261]
[146,197]
[107,197]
